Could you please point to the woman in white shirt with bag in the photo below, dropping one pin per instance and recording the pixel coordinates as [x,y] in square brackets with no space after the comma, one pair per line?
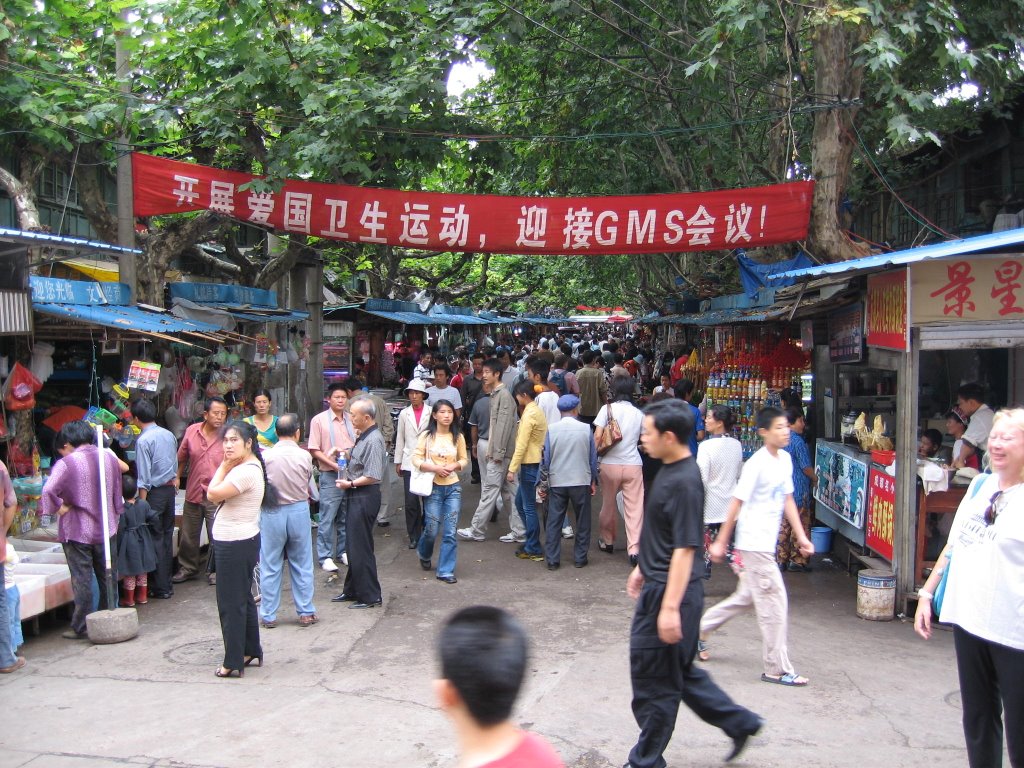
[983,598]
[621,470]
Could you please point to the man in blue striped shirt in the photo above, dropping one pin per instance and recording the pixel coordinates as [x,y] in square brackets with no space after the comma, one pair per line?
[156,468]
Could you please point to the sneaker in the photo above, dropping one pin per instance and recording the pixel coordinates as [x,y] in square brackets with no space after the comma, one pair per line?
[567,532]
[328,565]
[467,533]
[522,554]
[344,558]
[511,538]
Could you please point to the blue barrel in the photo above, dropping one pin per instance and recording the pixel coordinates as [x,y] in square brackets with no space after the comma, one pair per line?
[821,538]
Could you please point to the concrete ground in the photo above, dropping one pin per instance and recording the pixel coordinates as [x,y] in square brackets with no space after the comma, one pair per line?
[355,690]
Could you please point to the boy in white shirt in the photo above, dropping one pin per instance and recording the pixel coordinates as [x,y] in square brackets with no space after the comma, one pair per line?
[763,495]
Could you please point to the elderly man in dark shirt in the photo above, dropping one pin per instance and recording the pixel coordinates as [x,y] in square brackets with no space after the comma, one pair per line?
[362,486]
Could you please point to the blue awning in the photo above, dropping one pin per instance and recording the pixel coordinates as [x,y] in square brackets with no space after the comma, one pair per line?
[995,242]
[250,305]
[125,318]
[406,318]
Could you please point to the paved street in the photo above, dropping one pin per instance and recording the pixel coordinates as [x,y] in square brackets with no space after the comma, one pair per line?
[355,690]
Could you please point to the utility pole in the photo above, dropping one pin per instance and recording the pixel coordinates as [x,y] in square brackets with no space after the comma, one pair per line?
[125,203]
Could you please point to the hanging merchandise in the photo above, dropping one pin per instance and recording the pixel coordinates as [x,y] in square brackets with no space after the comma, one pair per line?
[20,389]
[42,360]
[143,375]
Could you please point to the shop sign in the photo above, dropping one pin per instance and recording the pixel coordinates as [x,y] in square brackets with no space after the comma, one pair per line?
[887,310]
[983,289]
[842,483]
[846,335]
[695,221]
[51,290]
[881,513]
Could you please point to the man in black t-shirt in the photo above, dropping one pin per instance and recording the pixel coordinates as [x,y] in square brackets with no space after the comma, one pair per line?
[670,599]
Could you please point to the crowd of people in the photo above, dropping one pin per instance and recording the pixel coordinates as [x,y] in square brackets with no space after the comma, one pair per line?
[541,431]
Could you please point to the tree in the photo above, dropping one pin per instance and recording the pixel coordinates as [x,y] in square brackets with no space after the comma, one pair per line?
[661,96]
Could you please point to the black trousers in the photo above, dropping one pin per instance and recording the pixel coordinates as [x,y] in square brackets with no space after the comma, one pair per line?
[361,580]
[991,691]
[663,675]
[239,621]
[413,510]
[558,505]
[161,500]
[84,562]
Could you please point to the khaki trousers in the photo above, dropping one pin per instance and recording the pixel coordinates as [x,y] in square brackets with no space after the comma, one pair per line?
[760,586]
[192,518]
[493,484]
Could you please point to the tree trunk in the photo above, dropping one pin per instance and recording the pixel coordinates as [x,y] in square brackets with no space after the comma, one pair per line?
[835,77]
[23,194]
[90,194]
[162,246]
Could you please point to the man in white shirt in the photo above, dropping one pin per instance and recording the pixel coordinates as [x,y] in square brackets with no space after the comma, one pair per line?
[443,390]
[422,371]
[969,398]
[763,495]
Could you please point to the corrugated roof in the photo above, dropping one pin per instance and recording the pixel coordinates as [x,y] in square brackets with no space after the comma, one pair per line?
[62,241]
[126,318]
[994,242]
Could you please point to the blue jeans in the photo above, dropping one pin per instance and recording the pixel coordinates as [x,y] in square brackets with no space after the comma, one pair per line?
[284,531]
[526,505]
[330,536]
[7,656]
[441,507]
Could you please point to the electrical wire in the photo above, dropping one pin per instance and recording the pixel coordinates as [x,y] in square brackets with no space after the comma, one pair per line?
[915,214]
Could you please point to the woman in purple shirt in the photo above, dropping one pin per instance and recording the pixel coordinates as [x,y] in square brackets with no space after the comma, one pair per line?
[73,493]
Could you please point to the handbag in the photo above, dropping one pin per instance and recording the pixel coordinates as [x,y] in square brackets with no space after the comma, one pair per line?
[940,591]
[421,483]
[611,435]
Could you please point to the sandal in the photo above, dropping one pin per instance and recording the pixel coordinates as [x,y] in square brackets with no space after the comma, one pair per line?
[308,620]
[225,672]
[703,651]
[790,678]
[257,660]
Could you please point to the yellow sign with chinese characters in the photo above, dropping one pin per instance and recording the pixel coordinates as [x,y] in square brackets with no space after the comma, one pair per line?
[965,290]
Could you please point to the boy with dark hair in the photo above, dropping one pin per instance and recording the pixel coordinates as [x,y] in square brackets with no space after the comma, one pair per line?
[762,497]
[669,594]
[483,654]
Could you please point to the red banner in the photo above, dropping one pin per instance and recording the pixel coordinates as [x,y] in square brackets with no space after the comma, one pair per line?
[697,221]
[881,513]
[887,310]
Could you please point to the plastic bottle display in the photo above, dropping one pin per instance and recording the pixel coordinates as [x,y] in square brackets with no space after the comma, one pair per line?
[749,374]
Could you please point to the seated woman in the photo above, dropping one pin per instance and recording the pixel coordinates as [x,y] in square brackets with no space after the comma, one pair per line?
[956,425]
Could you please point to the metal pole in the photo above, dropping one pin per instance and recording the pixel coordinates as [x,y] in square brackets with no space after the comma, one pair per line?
[101,453]
[125,201]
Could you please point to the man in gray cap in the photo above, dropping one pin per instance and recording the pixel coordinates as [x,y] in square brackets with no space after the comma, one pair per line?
[570,463]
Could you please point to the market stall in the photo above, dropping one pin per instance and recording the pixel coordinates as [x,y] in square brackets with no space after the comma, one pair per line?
[933,318]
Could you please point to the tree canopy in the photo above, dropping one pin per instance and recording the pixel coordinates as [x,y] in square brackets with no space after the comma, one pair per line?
[584,97]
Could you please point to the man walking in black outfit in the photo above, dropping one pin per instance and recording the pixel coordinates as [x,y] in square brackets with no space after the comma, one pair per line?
[669,592]
[362,486]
